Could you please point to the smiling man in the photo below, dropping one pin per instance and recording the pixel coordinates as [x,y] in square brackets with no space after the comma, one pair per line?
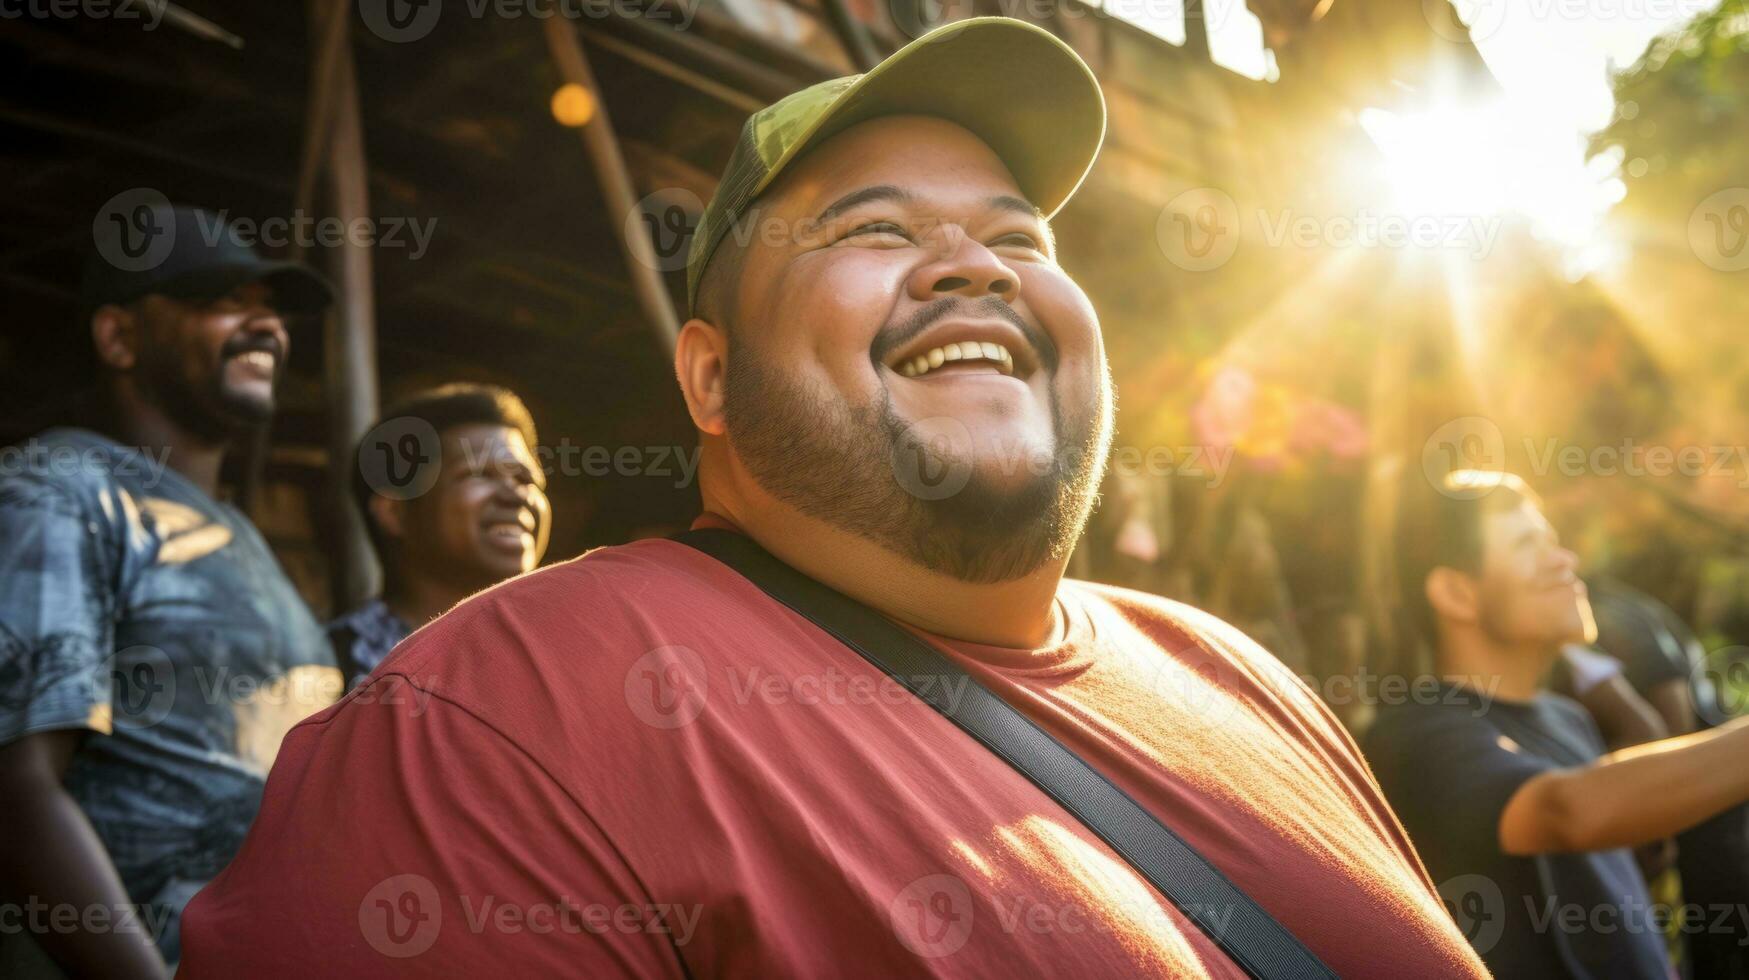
[152,651]
[901,394]
[470,513]
[1523,816]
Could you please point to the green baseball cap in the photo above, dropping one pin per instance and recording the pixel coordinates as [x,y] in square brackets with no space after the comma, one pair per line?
[1016,86]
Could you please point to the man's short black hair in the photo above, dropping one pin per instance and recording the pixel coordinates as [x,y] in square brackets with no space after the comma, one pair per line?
[445,407]
[1442,527]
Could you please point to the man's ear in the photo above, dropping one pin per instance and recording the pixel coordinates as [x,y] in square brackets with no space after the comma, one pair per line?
[701,360]
[1453,595]
[389,515]
[115,335]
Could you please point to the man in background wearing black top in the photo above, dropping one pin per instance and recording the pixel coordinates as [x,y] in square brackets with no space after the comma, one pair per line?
[1511,799]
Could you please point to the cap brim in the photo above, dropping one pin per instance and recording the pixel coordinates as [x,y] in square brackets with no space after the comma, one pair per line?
[297,288]
[1014,85]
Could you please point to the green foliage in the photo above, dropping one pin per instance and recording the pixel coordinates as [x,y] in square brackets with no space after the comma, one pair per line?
[1682,117]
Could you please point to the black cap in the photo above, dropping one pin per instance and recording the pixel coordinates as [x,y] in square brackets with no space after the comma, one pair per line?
[143,244]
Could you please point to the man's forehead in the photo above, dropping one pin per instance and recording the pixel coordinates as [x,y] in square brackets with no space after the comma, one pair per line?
[1524,515]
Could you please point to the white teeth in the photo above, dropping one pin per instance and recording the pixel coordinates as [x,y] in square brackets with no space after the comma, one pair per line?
[969,350]
[257,358]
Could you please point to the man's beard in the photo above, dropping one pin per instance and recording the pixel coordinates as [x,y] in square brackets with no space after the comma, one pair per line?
[842,463]
[204,407]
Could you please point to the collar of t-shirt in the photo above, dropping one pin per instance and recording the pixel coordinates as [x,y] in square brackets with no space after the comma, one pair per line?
[1071,654]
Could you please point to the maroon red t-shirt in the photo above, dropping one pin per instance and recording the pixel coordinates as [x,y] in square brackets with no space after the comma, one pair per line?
[636,763]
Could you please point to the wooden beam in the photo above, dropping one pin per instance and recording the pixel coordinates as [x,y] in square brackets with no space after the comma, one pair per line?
[617,192]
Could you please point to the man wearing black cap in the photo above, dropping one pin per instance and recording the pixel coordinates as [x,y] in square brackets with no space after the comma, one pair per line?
[152,652]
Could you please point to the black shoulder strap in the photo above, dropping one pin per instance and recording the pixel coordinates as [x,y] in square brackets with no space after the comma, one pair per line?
[1254,939]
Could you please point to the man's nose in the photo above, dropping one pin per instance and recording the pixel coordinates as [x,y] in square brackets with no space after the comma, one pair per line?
[1566,559]
[964,267]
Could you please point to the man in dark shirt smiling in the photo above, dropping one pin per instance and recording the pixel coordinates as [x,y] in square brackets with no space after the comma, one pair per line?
[152,652]
[1510,799]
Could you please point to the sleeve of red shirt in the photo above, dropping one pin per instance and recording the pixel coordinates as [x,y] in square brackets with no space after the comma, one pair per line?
[399,834]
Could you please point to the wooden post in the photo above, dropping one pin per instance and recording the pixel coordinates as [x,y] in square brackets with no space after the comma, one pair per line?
[851,34]
[335,137]
[617,191]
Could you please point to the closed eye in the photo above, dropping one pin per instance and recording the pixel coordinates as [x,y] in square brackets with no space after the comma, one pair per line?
[876,228]
[1019,238]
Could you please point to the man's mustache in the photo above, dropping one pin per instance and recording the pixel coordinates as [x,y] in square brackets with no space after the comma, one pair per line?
[247,341]
[891,338]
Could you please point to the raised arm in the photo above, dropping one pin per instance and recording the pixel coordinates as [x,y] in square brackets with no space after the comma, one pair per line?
[1632,796]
